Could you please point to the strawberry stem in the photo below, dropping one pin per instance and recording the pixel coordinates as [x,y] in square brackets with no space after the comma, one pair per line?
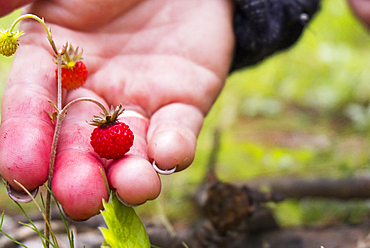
[59,119]
[85,99]
[59,99]
[60,116]
[48,31]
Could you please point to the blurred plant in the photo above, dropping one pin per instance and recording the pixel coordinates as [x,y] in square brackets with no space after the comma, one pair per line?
[359,115]
[261,106]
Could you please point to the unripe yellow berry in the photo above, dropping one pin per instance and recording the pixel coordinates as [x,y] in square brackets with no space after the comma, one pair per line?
[9,42]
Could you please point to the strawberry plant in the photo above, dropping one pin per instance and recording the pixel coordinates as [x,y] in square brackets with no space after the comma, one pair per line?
[74,71]
[124,226]
[111,139]
[9,43]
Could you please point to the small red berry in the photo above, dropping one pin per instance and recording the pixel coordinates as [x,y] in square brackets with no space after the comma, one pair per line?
[74,77]
[74,72]
[111,139]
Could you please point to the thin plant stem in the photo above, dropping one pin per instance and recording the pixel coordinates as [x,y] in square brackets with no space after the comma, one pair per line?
[60,91]
[42,213]
[69,232]
[54,148]
[48,32]
[85,99]
[6,235]
[106,181]
[166,223]
[60,116]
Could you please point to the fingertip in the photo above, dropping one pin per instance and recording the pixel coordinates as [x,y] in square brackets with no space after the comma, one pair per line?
[134,180]
[24,152]
[172,148]
[79,185]
[172,135]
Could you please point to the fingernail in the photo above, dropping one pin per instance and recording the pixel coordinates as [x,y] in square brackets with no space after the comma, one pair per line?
[163,172]
[20,196]
[124,203]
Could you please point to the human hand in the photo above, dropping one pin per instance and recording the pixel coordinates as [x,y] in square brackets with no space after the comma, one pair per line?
[166,60]
[361,8]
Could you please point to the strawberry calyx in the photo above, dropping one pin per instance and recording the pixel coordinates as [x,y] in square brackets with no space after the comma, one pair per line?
[70,56]
[73,71]
[107,118]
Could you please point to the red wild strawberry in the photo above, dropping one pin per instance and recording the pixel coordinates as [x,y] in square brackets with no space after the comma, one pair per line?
[111,139]
[74,72]
[74,77]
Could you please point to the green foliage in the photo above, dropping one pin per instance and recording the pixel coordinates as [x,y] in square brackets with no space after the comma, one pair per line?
[44,240]
[331,211]
[302,112]
[31,225]
[288,213]
[125,229]
[316,92]
[5,234]
[68,231]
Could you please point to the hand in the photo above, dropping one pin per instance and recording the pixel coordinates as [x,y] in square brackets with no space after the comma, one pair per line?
[166,60]
[361,8]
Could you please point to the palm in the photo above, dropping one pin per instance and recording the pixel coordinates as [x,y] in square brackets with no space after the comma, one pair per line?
[160,56]
[166,60]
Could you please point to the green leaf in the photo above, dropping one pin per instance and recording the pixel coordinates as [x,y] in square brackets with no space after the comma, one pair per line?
[125,228]
[1,231]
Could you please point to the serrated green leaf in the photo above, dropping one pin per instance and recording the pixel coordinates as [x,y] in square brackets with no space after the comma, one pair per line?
[125,228]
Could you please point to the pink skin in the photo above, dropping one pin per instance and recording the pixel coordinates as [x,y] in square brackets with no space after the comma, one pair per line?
[135,180]
[78,195]
[167,60]
[361,8]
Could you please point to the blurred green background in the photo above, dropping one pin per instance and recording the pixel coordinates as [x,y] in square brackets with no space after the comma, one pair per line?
[304,112]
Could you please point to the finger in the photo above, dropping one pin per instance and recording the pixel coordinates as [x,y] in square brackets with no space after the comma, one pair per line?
[26,130]
[172,135]
[7,6]
[139,126]
[134,180]
[361,9]
[78,183]
[133,177]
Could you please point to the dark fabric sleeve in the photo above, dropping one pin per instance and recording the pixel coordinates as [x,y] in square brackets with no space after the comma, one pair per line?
[263,27]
